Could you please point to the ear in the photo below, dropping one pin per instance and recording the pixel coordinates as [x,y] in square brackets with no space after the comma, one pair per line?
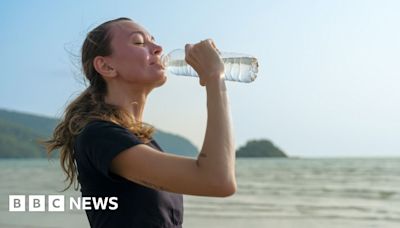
[103,67]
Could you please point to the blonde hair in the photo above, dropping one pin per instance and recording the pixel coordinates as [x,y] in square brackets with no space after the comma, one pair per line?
[90,105]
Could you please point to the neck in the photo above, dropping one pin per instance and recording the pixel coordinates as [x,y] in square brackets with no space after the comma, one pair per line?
[129,98]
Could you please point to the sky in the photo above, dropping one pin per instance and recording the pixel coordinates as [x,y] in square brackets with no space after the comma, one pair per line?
[329,71]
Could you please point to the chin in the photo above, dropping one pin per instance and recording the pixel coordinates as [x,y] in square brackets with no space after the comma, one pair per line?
[161,81]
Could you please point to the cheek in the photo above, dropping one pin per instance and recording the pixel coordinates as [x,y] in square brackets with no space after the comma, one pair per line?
[134,57]
[131,64]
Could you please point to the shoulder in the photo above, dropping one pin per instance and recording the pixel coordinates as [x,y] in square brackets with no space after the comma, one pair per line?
[100,135]
[98,129]
[99,124]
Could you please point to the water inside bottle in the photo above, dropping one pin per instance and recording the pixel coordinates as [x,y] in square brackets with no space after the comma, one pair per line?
[242,69]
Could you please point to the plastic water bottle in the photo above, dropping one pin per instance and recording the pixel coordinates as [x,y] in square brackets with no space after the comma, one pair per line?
[238,67]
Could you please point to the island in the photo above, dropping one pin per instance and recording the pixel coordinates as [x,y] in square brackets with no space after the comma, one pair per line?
[260,148]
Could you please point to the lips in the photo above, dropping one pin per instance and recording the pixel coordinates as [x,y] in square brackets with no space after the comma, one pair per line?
[157,61]
[157,64]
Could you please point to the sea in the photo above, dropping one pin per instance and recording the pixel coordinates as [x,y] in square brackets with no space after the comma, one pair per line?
[279,193]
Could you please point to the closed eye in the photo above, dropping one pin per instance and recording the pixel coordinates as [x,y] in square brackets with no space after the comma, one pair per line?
[141,38]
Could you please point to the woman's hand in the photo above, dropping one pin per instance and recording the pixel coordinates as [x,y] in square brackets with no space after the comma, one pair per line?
[205,60]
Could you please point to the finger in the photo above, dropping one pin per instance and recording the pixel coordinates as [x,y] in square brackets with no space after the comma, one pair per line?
[212,44]
[187,48]
[203,43]
[202,82]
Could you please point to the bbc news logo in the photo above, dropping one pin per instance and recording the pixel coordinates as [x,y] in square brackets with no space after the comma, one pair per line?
[37,203]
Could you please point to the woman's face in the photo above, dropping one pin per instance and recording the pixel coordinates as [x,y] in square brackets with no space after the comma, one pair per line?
[135,55]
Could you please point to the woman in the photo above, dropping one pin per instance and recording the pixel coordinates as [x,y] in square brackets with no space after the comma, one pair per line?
[105,145]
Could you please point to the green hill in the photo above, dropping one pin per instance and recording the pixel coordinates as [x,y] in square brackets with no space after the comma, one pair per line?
[19,132]
[260,148]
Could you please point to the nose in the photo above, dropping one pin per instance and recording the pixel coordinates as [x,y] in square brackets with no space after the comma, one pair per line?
[157,49]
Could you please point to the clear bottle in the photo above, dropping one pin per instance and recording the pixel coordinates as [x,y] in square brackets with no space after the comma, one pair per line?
[238,67]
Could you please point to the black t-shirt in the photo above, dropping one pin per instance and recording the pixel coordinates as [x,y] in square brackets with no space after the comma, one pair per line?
[138,206]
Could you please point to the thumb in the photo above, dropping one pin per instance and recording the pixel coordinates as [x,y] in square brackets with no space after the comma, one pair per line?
[202,82]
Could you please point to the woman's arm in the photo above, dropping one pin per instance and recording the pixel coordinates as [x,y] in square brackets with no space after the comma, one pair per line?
[213,172]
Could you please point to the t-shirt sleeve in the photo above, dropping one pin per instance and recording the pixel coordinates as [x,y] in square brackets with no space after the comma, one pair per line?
[102,141]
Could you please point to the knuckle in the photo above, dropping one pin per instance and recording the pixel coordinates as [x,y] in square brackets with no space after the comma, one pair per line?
[187,45]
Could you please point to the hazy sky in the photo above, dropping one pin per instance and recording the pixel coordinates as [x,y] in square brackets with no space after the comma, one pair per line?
[328,83]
